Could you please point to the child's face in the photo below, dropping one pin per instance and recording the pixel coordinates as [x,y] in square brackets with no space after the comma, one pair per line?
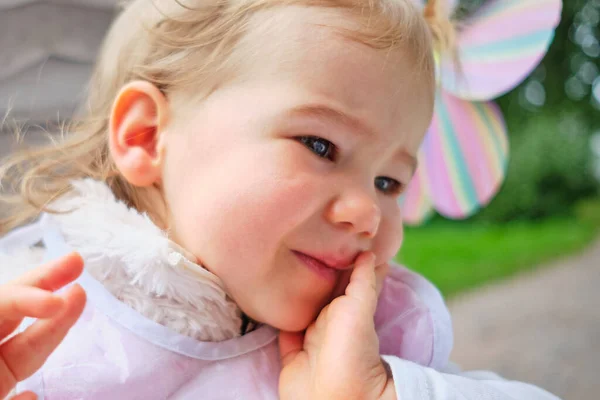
[246,192]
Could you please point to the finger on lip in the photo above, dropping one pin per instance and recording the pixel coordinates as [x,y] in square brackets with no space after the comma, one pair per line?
[366,257]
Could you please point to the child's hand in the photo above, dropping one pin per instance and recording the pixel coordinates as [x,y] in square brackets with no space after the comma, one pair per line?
[31,296]
[338,357]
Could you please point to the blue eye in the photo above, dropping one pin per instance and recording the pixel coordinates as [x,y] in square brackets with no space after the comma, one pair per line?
[325,149]
[388,185]
[321,147]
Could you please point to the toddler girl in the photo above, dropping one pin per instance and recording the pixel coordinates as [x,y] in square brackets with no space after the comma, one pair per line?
[234,194]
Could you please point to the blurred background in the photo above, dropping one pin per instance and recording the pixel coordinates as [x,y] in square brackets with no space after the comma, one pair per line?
[522,276]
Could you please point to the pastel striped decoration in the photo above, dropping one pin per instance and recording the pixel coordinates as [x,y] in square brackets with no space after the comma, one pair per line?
[499,45]
[465,155]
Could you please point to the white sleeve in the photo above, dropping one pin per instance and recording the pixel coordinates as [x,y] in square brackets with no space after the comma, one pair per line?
[413,381]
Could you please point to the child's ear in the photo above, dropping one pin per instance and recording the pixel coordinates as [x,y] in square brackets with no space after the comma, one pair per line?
[137,120]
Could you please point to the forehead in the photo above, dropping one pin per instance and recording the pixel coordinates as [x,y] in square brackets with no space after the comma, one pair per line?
[311,48]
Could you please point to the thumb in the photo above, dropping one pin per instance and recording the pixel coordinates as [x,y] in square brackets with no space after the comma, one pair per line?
[290,345]
[363,283]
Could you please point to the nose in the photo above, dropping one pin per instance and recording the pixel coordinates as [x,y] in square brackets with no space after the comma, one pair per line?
[357,211]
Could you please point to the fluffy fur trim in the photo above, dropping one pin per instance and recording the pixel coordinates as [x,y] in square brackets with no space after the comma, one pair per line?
[138,264]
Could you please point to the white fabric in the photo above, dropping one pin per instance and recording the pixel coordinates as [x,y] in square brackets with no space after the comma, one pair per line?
[113,352]
[138,264]
[414,381]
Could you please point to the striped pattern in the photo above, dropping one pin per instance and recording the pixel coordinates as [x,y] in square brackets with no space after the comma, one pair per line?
[463,160]
[499,46]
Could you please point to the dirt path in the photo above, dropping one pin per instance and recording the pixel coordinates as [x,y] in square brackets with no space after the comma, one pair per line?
[542,327]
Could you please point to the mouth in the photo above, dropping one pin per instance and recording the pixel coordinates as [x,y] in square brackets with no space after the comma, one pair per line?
[322,270]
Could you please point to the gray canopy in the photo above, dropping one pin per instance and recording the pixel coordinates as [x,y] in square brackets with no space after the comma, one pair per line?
[47,50]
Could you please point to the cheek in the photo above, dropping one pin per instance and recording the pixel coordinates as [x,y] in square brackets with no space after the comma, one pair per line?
[248,245]
[232,214]
[390,237]
[265,203]
[255,218]
[239,215]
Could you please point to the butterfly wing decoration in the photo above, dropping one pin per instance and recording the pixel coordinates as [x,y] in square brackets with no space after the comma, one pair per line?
[499,46]
[464,156]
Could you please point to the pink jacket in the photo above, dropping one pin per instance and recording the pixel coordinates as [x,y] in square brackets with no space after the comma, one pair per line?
[113,352]
[116,352]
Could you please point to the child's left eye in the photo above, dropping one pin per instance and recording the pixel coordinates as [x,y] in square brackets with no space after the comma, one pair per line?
[321,147]
[388,185]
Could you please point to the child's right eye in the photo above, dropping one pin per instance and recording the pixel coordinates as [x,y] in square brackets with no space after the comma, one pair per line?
[321,147]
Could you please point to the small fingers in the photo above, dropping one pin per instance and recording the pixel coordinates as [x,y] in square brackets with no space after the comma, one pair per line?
[55,274]
[7,327]
[17,302]
[7,379]
[26,352]
[25,301]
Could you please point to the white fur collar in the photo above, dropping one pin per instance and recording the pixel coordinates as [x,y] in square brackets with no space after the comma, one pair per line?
[140,266]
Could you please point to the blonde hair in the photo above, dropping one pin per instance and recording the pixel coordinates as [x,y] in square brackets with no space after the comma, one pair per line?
[174,45]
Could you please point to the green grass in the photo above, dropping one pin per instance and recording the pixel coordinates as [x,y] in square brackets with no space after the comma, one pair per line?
[459,256]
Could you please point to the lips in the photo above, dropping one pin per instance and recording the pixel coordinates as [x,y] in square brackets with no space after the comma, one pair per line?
[328,267]
[333,261]
[318,267]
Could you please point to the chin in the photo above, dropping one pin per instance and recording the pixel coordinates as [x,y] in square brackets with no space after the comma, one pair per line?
[291,321]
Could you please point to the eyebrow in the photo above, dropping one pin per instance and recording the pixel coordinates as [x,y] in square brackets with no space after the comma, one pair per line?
[327,113]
